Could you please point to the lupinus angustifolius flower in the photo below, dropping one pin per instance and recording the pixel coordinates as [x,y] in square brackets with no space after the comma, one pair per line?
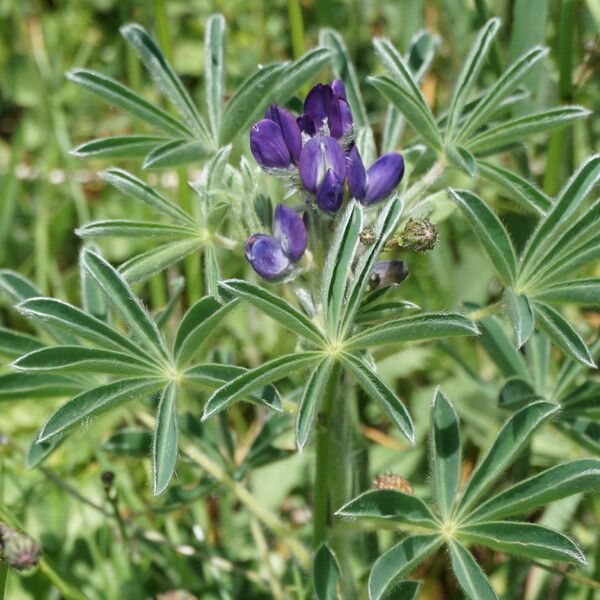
[17,549]
[388,272]
[273,257]
[326,111]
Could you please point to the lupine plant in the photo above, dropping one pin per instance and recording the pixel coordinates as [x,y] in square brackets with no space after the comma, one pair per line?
[324,265]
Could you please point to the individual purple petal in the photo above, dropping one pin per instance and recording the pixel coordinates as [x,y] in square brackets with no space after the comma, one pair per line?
[323,107]
[346,115]
[266,256]
[330,193]
[290,231]
[339,89]
[357,175]
[310,164]
[289,129]
[388,272]
[334,157]
[306,125]
[268,146]
[383,176]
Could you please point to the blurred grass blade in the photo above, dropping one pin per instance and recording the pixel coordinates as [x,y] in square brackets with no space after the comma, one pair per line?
[389,505]
[399,562]
[249,101]
[563,334]
[118,146]
[312,398]
[276,308]
[469,574]
[469,73]
[513,436]
[378,390]
[520,314]
[164,444]
[214,70]
[165,77]
[446,453]
[136,188]
[95,402]
[490,232]
[575,477]
[524,539]
[119,95]
[326,573]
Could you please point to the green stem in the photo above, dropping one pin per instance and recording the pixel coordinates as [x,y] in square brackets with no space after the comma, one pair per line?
[3,578]
[296,27]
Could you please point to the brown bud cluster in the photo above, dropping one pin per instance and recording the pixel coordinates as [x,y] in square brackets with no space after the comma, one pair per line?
[392,481]
[18,550]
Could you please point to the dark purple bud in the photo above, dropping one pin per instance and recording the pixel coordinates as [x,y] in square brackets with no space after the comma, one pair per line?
[317,157]
[266,256]
[388,272]
[268,146]
[357,175]
[289,129]
[322,107]
[383,176]
[290,231]
[339,89]
[330,193]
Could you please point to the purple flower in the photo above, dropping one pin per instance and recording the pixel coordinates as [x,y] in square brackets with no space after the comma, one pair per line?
[376,182]
[323,170]
[326,105]
[272,257]
[388,272]
[276,141]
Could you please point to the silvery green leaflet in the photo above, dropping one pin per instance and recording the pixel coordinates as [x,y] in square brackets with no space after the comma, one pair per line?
[325,290]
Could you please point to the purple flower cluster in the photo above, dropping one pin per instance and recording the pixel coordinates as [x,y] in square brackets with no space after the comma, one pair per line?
[318,146]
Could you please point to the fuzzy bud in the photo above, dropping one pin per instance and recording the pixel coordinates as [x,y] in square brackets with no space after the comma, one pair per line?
[19,551]
[367,236]
[392,481]
[419,235]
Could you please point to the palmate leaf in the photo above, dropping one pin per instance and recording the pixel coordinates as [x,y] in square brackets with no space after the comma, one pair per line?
[15,343]
[326,573]
[469,574]
[581,291]
[133,229]
[175,152]
[118,146]
[520,314]
[164,443]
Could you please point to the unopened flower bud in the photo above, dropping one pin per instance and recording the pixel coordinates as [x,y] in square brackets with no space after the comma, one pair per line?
[388,272]
[367,236]
[107,479]
[19,550]
[392,481]
[419,235]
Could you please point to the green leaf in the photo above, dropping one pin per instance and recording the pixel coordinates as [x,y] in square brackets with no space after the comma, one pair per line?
[513,436]
[276,308]
[389,505]
[134,443]
[384,310]
[462,159]
[426,326]
[211,271]
[420,119]
[119,95]
[37,453]
[164,444]
[575,477]
[560,331]
[162,72]
[197,324]
[85,360]
[400,561]
[469,574]
[16,286]
[584,400]
[581,291]
[326,573]
[118,146]
[569,200]
[213,376]
[136,188]
[249,381]
[132,229]
[520,314]
[95,402]
[214,69]
[312,398]
[524,539]
[338,262]
[516,393]
[14,343]
[515,130]
[522,191]
[68,318]
[505,84]
[119,293]
[249,101]
[469,73]
[298,72]
[490,232]
[158,259]
[25,386]
[381,393]
[177,152]
[446,453]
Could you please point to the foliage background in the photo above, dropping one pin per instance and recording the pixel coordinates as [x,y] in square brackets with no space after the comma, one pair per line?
[45,193]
